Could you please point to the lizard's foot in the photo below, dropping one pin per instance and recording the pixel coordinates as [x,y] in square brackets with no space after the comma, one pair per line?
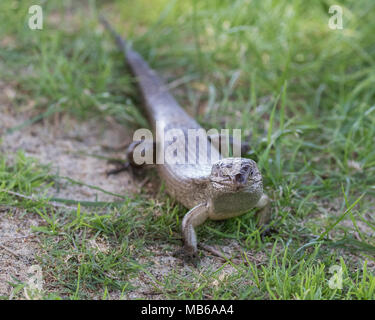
[123,167]
[135,171]
[192,259]
[188,255]
[264,216]
[130,164]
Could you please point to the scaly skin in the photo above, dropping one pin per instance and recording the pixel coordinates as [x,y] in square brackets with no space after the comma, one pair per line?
[214,190]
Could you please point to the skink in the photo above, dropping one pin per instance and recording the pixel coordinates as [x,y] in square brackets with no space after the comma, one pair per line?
[216,190]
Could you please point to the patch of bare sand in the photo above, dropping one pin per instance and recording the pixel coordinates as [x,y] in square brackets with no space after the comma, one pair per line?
[18,247]
[72,149]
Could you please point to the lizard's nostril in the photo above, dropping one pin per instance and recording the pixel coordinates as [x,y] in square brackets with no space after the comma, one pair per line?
[240,178]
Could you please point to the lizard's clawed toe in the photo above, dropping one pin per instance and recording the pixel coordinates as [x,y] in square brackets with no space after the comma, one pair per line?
[189,255]
[123,167]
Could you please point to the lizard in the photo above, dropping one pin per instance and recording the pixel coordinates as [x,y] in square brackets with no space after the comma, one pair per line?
[217,190]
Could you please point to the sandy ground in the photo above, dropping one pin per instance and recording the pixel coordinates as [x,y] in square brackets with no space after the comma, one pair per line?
[63,145]
[18,247]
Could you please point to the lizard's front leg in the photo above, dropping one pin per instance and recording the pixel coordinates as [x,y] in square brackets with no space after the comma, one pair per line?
[195,217]
[130,163]
[264,213]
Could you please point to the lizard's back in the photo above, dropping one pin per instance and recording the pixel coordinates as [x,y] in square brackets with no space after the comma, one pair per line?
[184,181]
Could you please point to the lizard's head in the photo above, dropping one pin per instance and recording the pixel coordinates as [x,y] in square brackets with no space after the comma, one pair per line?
[235,174]
[236,186]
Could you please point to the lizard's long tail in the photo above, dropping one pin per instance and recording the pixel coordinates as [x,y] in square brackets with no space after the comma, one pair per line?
[158,101]
[119,40]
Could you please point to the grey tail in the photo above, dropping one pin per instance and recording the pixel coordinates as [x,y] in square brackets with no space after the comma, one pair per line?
[122,44]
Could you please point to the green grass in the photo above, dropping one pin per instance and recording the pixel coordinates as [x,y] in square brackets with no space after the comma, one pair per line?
[273,68]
